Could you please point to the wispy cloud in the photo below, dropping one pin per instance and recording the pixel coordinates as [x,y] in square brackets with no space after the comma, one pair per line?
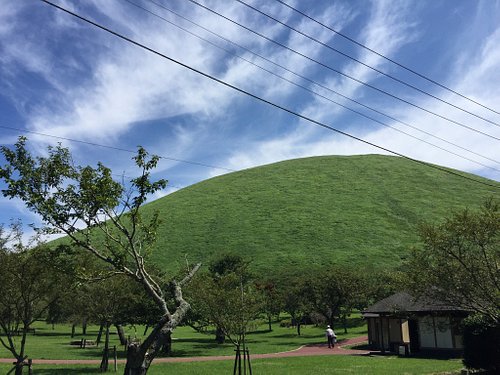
[479,80]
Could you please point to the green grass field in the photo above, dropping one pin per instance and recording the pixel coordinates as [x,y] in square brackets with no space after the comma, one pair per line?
[283,366]
[51,343]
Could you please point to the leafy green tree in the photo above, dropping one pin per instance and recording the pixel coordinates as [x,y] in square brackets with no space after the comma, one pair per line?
[107,303]
[295,292]
[227,263]
[28,287]
[336,291]
[69,198]
[272,301]
[459,262]
[227,304]
[226,298]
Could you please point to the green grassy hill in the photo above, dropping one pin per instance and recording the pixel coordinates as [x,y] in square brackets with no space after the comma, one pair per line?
[362,210]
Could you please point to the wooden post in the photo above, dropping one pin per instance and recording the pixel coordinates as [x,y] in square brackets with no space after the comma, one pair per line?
[237,350]
[244,360]
[115,358]
[249,364]
[81,343]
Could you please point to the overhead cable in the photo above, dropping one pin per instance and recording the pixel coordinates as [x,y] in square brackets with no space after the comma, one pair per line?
[359,44]
[344,74]
[365,64]
[263,100]
[315,83]
[111,147]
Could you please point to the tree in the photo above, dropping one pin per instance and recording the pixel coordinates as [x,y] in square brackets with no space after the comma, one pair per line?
[336,291]
[295,291]
[107,303]
[69,197]
[481,343]
[226,298]
[459,262]
[272,301]
[28,287]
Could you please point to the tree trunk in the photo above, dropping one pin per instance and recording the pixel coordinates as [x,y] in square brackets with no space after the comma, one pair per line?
[105,354]
[269,322]
[220,338]
[139,357]
[99,335]
[331,322]
[84,327]
[344,322]
[137,363]
[167,344]
[19,368]
[298,327]
[121,334]
[20,360]
[73,330]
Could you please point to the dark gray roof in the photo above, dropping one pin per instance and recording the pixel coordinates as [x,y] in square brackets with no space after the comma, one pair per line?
[404,302]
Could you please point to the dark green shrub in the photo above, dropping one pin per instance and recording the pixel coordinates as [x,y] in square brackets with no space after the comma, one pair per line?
[481,343]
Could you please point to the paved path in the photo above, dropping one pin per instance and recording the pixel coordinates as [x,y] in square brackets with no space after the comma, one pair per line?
[306,350]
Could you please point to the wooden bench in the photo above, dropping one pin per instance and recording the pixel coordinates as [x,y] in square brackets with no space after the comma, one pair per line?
[83,343]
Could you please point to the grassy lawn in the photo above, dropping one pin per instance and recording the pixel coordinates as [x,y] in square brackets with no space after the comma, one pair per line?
[281,366]
[51,343]
[54,344]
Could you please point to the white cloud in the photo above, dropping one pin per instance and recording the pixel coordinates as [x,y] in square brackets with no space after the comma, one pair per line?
[480,80]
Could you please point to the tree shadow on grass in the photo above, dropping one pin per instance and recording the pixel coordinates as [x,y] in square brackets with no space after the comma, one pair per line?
[50,334]
[259,332]
[93,352]
[66,370]
[442,354]
[295,336]
[363,346]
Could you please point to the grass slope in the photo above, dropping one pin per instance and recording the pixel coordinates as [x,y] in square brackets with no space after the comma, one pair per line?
[358,209]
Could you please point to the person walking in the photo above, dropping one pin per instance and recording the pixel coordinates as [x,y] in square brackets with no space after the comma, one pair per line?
[331,337]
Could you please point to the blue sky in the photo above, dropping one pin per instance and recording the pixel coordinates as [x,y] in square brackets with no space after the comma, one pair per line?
[62,77]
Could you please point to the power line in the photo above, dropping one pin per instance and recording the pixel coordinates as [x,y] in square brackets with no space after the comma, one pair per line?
[364,64]
[342,73]
[308,89]
[385,57]
[308,119]
[112,147]
[232,170]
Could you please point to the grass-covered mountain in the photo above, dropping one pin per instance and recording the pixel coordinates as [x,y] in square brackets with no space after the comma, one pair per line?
[346,209]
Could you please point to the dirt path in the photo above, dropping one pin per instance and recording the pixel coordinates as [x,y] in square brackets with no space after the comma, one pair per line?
[306,350]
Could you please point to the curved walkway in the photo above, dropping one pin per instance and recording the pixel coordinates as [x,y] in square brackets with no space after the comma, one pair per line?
[306,350]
